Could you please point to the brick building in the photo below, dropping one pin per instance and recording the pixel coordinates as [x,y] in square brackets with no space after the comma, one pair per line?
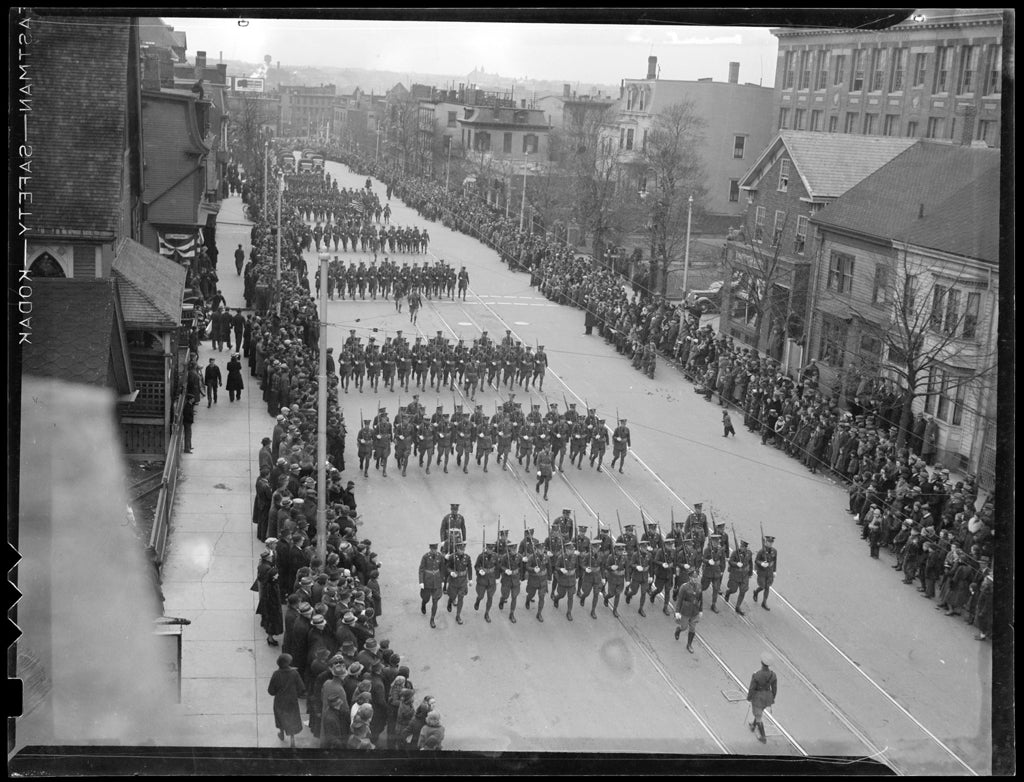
[307,111]
[937,75]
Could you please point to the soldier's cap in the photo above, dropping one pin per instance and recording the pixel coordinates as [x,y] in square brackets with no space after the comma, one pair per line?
[769,539]
[503,533]
[366,421]
[767,659]
[581,527]
[433,545]
[487,545]
[698,505]
[460,544]
[528,531]
[455,505]
[743,542]
[630,526]
[719,524]
[566,510]
[678,523]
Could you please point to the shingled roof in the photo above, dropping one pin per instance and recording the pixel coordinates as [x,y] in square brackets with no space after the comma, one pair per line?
[828,164]
[78,334]
[77,125]
[940,196]
[151,287]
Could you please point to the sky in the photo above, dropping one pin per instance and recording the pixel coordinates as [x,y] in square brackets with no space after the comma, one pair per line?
[600,54]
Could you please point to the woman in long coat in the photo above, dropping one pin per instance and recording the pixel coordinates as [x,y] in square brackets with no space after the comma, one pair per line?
[286,687]
[269,606]
[234,385]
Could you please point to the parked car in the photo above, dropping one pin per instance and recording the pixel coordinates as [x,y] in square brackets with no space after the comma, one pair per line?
[707,300]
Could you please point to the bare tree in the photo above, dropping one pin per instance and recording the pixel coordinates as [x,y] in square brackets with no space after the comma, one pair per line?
[402,131]
[674,171]
[247,120]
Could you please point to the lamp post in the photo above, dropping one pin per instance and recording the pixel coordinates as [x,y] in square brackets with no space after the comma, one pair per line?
[686,255]
[522,203]
[280,191]
[321,419]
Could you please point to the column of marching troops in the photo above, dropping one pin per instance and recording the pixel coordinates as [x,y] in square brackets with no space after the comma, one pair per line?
[391,280]
[570,565]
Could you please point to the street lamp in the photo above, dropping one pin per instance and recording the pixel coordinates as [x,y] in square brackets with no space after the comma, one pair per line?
[686,256]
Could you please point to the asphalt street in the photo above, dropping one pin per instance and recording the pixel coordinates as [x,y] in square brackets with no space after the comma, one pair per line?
[866,666]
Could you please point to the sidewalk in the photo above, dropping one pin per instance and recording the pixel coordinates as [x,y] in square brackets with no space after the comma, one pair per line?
[213,551]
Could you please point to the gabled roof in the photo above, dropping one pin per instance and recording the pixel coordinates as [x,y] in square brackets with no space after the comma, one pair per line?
[828,164]
[154,31]
[151,287]
[79,105]
[939,196]
[82,338]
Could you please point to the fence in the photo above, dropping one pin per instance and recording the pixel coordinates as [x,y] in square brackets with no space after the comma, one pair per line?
[168,487]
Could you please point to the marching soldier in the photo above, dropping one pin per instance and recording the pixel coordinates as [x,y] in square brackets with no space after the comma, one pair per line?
[723,538]
[662,563]
[563,523]
[453,520]
[628,538]
[540,365]
[487,570]
[430,581]
[614,574]
[560,432]
[484,445]
[581,539]
[589,571]
[463,444]
[622,444]
[504,438]
[403,442]
[682,562]
[537,573]
[711,572]
[579,436]
[639,575]
[511,566]
[697,525]
[425,440]
[764,686]
[689,605]
[603,538]
[365,447]
[460,573]
[740,568]
[524,444]
[598,444]
[565,577]
[767,561]
[444,442]
[382,449]
[545,469]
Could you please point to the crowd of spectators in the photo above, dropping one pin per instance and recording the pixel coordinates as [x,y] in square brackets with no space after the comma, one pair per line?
[358,694]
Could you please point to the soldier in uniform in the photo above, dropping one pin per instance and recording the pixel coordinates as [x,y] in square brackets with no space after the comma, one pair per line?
[598,444]
[545,469]
[425,442]
[540,365]
[460,573]
[524,444]
[621,444]
[463,444]
[484,444]
[566,564]
[639,575]
[741,565]
[697,525]
[382,449]
[453,520]
[578,438]
[712,569]
[589,572]
[764,686]
[444,442]
[663,566]
[365,447]
[537,572]
[504,438]
[403,442]
[487,570]
[430,581]
[689,610]
[766,562]
[581,540]
[511,566]
[628,538]
[614,574]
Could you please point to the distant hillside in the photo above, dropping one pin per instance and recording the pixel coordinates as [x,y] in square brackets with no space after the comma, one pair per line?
[380,82]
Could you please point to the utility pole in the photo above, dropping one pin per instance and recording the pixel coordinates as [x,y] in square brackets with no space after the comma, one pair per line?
[280,191]
[686,256]
[321,419]
[522,205]
[266,164]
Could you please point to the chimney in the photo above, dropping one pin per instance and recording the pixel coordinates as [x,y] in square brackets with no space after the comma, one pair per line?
[222,73]
[622,88]
[967,126]
[565,91]
[522,103]
[220,56]
[734,73]
[652,67]
[200,59]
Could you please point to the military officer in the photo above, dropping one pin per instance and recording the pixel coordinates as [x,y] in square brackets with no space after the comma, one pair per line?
[589,572]
[712,569]
[460,573]
[639,575]
[564,523]
[403,442]
[425,442]
[689,605]
[767,562]
[430,581]
[487,570]
[453,520]
[566,564]
[740,568]
[504,439]
[511,565]
[621,443]
[614,573]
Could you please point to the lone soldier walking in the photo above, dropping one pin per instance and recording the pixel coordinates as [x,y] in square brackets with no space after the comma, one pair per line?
[689,603]
[621,443]
[430,581]
[453,520]
[764,686]
[740,569]
[767,561]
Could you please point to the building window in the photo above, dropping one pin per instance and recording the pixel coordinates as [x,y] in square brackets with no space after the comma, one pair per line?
[798,118]
[833,342]
[920,69]
[899,60]
[629,138]
[880,289]
[530,142]
[968,67]
[994,80]
[857,82]
[506,146]
[643,99]
[840,272]
[840,70]
[452,119]
[879,58]
[870,121]
[816,119]
[805,71]
[987,131]
[971,312]
[833,123]
[892,125]
[938,308]
[800,241]
[935,127]
[912,129]
[734,191]
[851,122]
[780,224]
[941,69]
[787,71]
[759,217]
[783,175]
[482,141]
[952,317]
[822,80]
[643,143]
[739,144]
[949,391]
[783,119]
[622,137]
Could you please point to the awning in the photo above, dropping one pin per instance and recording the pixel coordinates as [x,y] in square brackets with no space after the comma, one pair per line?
[180,244]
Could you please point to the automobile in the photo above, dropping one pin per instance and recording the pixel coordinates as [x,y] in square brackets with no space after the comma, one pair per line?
[305,166]
[705,301]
